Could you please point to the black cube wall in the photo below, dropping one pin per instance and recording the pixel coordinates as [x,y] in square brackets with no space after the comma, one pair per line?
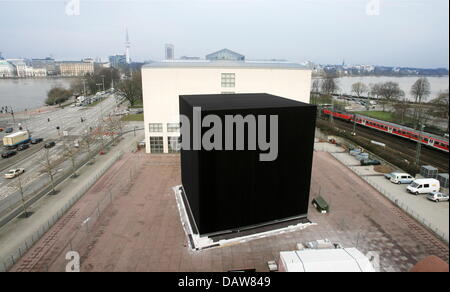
[230,190]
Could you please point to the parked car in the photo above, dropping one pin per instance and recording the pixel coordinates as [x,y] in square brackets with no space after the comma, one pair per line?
[437,197]
[424,186]
[8,154]
[22,147]
[355,152]
[321,205]
[389,175]
[14,173]
[362,156]
[1,130]
[367,162]
[36,140]
[50,144]
[9,130]
[402,178]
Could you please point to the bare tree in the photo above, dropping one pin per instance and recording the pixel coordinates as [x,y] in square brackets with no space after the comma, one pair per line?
[401,108]
[70,152]
[420,90]
[315,91]
[440,107]
[48,167]
[359,88]
[390,92]
[375,90]
[131,88]
[99,133]
[88,140]
[329,85]
[114,128]
[19,185]
[315,86]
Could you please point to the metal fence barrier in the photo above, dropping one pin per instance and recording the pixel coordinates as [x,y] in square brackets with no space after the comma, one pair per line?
[402,205]
[11,259]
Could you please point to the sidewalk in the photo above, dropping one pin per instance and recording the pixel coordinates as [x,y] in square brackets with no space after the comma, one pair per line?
[432,215]
[20,234]
[140,230]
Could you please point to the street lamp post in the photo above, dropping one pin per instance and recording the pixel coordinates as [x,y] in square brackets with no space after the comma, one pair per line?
[332,111]
[354,125]
[84,87]
[419,145]
[12,114]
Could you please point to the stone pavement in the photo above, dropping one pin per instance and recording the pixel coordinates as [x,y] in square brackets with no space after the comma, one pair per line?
[434,216]
[18,235]
[141,230]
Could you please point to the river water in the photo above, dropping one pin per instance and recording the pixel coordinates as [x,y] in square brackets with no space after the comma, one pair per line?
[21,94]
[438,84]
[24,94]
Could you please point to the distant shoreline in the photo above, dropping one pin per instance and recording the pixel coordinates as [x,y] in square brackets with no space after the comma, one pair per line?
[386,76]
[28,93]
[34,111]
[39,77]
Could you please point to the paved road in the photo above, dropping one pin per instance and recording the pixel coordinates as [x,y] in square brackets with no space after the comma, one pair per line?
[44,126]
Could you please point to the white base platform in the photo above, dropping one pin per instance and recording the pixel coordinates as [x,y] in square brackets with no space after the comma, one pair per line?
[198,242]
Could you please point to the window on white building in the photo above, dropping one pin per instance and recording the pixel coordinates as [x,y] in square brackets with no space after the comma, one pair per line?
[228,80]
[156,145]
[155,127]
[173,127]
[174,144]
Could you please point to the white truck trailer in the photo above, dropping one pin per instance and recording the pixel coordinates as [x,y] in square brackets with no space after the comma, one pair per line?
[16,139]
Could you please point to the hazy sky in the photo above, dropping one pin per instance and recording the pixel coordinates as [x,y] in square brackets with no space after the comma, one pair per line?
[395,32]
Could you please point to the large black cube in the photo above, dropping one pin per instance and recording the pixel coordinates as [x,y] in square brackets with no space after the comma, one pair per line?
[232,190]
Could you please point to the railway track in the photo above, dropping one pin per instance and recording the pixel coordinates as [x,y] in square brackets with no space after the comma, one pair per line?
[428,156]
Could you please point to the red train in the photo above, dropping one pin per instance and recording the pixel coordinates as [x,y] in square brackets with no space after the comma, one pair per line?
[430,140]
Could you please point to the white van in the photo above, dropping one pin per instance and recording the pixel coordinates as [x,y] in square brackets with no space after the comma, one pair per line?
[424,186]
[401,178]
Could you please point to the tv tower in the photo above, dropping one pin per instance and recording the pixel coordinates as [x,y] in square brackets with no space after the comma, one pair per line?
[127,47]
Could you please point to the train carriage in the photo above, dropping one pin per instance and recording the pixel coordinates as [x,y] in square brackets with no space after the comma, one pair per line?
[431,140]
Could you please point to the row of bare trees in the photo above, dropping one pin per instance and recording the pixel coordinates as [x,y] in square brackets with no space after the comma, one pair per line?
[87,143]
[390,94]
[440,107]
[328,85]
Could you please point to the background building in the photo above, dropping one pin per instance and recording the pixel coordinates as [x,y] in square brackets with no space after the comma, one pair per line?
[189,58]
[163,82]
[21,69]
[76,68]
[118,61]
[225,54]
[127,48]
[170,52]
[39,72]
[48,64]
[7,70]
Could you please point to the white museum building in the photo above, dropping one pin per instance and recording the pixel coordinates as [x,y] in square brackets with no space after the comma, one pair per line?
[222,72]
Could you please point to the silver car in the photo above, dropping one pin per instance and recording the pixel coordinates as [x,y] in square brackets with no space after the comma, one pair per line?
[389,175]
[14,173]
[437,197]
